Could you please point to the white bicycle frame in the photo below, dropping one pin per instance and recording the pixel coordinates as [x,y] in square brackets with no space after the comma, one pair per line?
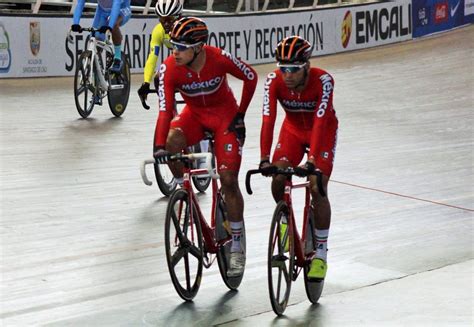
[92,45]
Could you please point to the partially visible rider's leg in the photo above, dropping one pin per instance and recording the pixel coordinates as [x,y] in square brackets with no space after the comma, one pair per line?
[322,222]
[117,38]
[235,209]
[175,143]
[278,181]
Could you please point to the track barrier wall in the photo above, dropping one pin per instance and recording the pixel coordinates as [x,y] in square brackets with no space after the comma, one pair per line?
[35,45]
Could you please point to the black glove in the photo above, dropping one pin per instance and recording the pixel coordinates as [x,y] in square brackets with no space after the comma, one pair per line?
[266,169]
[76,28]
[305,170]
[161,156]
[104,29]
[143,91]
[237,126]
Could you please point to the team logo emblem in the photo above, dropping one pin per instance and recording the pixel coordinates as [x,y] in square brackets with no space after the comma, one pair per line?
[228,147]
[35,37]
[346,29]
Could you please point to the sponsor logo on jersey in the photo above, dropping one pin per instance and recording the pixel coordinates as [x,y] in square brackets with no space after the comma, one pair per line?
[346,29]
[202,88]
[35,37]
[327,91]
[228,147]
[161,88]
[266,94]
[242,66]
[441,13]
[297,106]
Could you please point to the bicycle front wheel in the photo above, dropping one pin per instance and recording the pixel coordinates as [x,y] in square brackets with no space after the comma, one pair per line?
[313,288]
[184,245]
[165,179]
[281,251]
[84,84]
[222,233]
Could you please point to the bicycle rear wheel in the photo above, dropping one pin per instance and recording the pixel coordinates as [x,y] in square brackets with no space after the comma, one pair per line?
[313,288]
[184,246]
[84,84]
[280,259]
[119,89]
[202,183]
[222,232]
[165,179]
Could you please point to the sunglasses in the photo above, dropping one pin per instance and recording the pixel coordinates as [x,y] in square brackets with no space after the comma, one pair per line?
[168,19]
[290,68]
[182,47]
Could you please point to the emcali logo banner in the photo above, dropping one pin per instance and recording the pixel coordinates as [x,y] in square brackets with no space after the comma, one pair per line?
[363,27]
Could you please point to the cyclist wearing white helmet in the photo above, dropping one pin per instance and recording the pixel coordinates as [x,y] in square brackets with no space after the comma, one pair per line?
[168,11]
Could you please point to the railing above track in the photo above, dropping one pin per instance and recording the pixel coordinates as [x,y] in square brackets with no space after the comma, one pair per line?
[192,7]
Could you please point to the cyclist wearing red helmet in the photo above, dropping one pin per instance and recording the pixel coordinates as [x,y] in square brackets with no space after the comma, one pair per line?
[306,95]
[199,73]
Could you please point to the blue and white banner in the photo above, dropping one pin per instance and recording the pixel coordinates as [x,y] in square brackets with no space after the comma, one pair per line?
[432,16]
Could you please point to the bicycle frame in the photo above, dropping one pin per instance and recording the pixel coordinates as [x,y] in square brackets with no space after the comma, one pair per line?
[301,257]
[92,45]
[210,243]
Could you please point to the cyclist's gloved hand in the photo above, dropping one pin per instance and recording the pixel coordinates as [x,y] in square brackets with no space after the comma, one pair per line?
[237,126]
[305,170]
[143,91]
[76,28]
[161,156]
[266,168]
[104,29]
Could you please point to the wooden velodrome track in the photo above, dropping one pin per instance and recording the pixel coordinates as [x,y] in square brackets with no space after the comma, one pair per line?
[82,236]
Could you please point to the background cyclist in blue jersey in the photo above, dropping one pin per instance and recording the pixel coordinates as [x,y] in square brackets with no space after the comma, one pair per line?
[110,15]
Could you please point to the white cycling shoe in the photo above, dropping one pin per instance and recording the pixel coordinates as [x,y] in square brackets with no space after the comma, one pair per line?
[236,265]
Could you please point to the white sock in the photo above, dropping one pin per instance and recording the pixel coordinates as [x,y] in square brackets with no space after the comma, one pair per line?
[236,228]
[322,243]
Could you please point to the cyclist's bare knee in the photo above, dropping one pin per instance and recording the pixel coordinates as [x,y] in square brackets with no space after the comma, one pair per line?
[176,142]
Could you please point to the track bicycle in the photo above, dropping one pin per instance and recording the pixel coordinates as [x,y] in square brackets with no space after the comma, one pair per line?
[288,252]
[93,81]
[191,243]
[163,175]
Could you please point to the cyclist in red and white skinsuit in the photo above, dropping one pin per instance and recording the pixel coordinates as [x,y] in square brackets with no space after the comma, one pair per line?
[198,72]
[306,95]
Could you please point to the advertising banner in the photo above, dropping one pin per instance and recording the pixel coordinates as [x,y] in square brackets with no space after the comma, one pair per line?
[367,26]
[33,46]
[431,16]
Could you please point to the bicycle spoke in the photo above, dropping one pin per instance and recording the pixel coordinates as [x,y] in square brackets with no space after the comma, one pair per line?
[178,255]
[195,251]
[188,273]
[179,233]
